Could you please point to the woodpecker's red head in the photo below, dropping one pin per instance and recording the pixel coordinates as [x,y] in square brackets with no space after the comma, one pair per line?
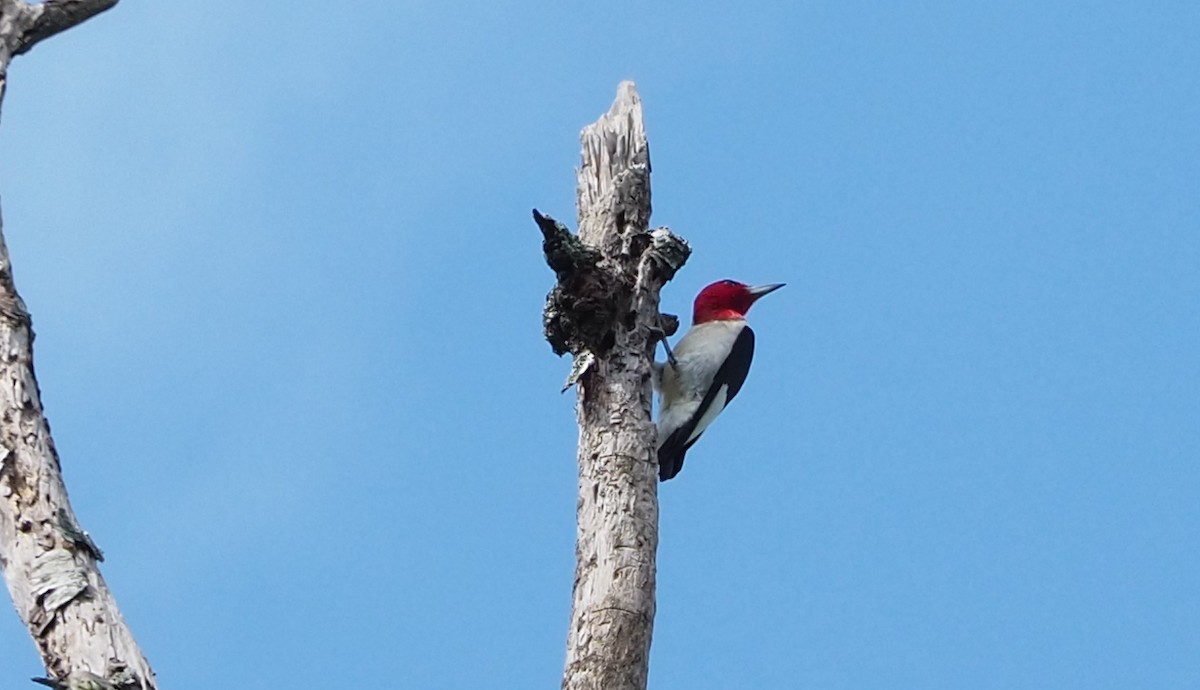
[728,299]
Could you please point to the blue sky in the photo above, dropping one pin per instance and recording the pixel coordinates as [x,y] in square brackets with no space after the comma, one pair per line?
[288,295]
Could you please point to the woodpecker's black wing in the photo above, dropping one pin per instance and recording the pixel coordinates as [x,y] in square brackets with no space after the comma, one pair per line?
[729,379]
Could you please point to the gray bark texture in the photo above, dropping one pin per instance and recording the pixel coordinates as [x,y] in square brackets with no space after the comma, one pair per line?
[50,564]
[604,311]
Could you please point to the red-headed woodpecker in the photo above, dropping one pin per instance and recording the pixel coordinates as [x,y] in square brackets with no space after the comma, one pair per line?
[706,369]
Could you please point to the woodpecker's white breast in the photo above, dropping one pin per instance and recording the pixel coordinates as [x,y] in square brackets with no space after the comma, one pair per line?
[699,355]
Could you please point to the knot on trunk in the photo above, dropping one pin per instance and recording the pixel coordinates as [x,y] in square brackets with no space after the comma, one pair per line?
[591,294]
[582,308]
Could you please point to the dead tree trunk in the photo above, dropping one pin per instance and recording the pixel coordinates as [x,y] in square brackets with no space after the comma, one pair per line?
[49,562]
[604,311]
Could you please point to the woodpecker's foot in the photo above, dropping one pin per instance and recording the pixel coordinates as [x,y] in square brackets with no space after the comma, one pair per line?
[661,336]
[670,355]
[668,325]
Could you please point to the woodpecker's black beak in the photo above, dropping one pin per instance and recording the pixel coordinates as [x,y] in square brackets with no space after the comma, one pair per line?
[762,290]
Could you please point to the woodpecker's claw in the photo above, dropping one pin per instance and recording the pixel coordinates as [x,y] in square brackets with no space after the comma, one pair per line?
[670,355]
[661,335]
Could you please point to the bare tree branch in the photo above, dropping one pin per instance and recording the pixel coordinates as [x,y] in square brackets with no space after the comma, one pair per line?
[49,562]
[53,16]
[604,310]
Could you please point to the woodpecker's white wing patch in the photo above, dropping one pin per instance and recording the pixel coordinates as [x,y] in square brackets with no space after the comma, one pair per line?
[710,414]
[675,416]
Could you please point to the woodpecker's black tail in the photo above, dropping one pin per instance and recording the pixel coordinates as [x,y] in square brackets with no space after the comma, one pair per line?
[670,461]
[671,452]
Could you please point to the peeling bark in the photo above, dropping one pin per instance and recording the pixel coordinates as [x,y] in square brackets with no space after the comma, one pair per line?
[604,310]
[49,561]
